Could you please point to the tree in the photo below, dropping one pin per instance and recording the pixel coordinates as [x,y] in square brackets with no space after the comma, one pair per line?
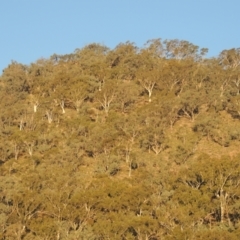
[115,166]
[230,58]
[216,181]
[190,104]
[106,97]
[181,49]
[155,47]
[126,95]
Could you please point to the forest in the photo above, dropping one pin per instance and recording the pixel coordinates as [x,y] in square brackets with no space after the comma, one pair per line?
[126,143]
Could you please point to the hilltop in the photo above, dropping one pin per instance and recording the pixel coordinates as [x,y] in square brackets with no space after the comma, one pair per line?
[124,143]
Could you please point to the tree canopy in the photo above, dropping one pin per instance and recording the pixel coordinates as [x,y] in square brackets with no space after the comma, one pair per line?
[123,143]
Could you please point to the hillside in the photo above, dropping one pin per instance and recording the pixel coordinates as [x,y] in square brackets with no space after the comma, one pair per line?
[123,143]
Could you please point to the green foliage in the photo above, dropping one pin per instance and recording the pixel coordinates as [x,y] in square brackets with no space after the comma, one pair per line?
[123,143]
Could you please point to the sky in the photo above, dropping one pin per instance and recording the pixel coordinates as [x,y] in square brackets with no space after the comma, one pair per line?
[34,29]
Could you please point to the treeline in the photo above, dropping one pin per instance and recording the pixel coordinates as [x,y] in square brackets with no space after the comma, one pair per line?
[123,143]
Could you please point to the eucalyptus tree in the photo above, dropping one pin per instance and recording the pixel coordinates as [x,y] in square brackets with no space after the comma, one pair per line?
[230,58]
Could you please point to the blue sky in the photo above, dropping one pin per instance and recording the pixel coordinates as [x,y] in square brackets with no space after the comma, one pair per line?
[32,29]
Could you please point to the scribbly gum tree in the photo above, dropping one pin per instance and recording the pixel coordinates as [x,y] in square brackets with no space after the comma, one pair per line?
[78,96]
[157,142]
[15,80]
[149,73]
[7,151]
[106,97]
[169,109]
[153,137]
[230,58]
[14,90]
[234,106]
[133,199]
[92,61]
[206,126]
[20,204]
[225,188]
[170,82]
[123,61]
[129,136]
[40,75]
[184,145]
[181,49]
[217,128]
[235,82]
[126,95]
[190,104]
[191,197]
[148,83]
[209,192]
[180,77]
[155,47]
